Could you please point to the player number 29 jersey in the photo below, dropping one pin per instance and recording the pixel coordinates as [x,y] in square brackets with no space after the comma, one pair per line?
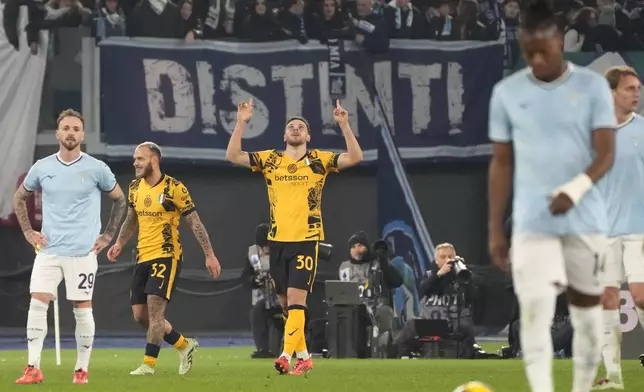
[295,192]
[159,209]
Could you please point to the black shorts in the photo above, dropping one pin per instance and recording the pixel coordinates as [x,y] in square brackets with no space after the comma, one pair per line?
[155,277]
[293,264]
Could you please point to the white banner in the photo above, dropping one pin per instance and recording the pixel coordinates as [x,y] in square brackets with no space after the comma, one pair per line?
[21,81]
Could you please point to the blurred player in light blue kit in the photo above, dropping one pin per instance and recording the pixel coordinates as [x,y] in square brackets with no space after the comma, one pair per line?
[555,123]
[623,189]
[71,184]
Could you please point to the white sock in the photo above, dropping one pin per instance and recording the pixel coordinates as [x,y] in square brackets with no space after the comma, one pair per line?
[286,355]
[85,328]
[536,339]
[612,345]
[36,330]
[303,355]
[587,345]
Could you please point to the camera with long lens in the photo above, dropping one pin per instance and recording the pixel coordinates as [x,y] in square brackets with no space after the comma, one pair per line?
[463,275]
[380,249]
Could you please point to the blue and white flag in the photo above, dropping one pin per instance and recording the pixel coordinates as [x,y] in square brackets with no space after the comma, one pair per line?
[184,96]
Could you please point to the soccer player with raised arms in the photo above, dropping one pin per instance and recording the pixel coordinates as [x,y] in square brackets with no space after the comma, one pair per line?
[623,189]
[156,204]
[71,183]
[295,178]
[553,124]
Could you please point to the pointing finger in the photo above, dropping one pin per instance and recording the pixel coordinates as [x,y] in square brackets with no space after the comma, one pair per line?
[250,102]
[337,104]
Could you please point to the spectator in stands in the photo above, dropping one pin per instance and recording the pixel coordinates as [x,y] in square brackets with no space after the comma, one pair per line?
[260,25]
[108,20]
[190,22]
[329,22]
[219,19]
[370,29]
[157,19]
[440,23]
[569,14]
[491,15]
[292,20]
[511,12]
[605,37]
[576,34]
[468,25]
[403,20]
[379,7]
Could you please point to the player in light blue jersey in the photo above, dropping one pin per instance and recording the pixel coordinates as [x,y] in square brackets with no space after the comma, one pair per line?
[71,183]
[623,188]
[554,122]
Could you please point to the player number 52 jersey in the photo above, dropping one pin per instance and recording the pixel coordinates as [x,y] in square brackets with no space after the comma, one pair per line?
[295,192]
[159,209]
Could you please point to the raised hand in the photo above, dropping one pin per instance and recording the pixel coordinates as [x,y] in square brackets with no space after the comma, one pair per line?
[245,110]
[339,114]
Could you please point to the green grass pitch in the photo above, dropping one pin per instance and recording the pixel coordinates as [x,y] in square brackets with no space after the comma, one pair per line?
[230,369]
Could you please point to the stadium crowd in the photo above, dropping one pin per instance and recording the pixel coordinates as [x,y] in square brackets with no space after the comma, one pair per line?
[590,25]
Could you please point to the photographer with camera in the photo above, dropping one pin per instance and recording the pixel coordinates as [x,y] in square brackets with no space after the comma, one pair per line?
[448,292]
[369,266]
[266,312]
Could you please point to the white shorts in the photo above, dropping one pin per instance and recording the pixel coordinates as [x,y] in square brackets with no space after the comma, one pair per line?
[79,274]
[540,262]
[624,260]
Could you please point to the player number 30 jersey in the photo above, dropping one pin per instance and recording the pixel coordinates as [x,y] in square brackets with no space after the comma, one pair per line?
[295,192]
[159,209]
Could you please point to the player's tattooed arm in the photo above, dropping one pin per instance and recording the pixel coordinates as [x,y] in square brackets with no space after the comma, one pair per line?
[128,228]
[200,233]
[118,210]
[20,208]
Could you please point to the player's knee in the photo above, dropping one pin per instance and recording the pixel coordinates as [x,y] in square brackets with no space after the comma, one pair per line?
[38,306]
[43,297]
[82,304]
[610,298]
[296,296]
[582,300]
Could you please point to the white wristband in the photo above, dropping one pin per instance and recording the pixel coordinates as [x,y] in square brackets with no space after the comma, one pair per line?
[575,188]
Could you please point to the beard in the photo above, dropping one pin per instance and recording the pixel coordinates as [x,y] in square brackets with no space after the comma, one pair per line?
[69,144]
[145,172]
[295,143]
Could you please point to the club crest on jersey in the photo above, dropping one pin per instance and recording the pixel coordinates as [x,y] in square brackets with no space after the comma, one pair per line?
[147,202]
[161,198]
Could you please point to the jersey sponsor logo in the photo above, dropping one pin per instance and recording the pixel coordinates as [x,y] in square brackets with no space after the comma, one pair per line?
[291,178]
[149,213]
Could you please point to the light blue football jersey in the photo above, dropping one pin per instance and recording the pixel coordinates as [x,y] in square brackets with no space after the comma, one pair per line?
[623,185]
[71,201]
[550,126]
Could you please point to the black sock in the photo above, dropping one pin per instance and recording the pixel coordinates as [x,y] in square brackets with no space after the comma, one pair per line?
[172,337]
